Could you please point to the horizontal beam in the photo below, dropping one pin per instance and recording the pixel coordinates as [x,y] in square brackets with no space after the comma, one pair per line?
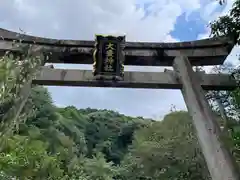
[148,80]
[212,51]
[151,57]
[210,42]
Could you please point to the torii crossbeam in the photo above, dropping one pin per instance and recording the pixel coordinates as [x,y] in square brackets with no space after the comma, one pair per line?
[212,51]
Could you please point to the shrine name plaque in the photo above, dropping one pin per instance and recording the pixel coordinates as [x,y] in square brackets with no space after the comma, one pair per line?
[109,57]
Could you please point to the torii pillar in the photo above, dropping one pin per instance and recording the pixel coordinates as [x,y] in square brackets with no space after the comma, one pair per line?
[220,162]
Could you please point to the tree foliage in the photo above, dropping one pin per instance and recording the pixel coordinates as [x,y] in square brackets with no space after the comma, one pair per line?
[166,150]
[68,143]
[229,25]
[16,73]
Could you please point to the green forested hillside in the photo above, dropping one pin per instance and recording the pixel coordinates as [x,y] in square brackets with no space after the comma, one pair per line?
[51,143]
[89,144]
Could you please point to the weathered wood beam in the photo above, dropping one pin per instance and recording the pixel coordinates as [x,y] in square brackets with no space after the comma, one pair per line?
[220,162]
[210,42]
[202,52]
[163,57]
[152,80]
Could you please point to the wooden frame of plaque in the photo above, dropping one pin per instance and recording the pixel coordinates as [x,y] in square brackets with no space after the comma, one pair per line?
[109,57]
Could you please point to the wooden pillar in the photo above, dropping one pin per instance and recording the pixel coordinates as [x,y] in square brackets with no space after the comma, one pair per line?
[220,162]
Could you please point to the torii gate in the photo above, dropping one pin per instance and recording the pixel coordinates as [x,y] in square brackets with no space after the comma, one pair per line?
[182,56]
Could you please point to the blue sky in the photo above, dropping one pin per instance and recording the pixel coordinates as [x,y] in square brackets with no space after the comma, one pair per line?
[139,20]
[188,30]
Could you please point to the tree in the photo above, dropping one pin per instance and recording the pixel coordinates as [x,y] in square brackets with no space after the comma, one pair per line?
[229,25]
[28,159]
[16,73]
[166,150]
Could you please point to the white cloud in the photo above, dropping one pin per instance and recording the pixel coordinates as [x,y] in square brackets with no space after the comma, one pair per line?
[82,19]
[211,10]
[227,8]
[208,12]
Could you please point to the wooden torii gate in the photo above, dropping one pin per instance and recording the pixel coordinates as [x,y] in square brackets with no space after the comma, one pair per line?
[182,56]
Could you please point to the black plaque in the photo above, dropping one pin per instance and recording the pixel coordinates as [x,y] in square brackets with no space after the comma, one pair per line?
[109,56]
